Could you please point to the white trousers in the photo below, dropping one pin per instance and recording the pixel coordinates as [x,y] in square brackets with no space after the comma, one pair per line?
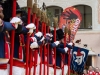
[18,71]
[58,71]
[4,71]
[38,70]
[51,71]
[65,69]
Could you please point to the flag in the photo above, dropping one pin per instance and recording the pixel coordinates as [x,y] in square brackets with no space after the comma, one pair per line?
[79,56]
[70,18]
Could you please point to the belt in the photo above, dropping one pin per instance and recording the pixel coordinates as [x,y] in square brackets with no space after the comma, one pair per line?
[3,66]
[19,63]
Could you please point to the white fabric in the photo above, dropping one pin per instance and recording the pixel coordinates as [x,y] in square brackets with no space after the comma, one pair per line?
[34,45]
[16,21]
[34,39]
[57,43]
[4,71]
[18,71]
[37,67]
[38,70]
[65,69]
[39,34]
[48,34]
[42,39]
[70,43]
[66,49]
[58,72]
[31,26]
[51,71]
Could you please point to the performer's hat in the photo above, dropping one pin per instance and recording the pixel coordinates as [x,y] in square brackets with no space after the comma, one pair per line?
[18,9]
[79,53]
[60,34]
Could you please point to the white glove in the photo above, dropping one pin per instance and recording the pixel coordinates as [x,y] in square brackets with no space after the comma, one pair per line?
[39,34]
[70,43]
[57,43]
[50,35]
[66,49]
[16,21]
[42,39]
[34,39]
[34,45]
[31,27]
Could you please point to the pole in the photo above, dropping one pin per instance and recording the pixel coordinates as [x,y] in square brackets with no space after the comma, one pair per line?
[55,25]
[29,5]
[69,33]
[55,51]
[44,50]
[48,47]
[12,38]
[41,52]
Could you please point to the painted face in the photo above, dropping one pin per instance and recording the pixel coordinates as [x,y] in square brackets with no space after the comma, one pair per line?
[79,60]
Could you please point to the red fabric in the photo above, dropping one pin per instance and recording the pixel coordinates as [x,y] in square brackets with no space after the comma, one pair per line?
[20,52]
[97,73]
[91,73]
[6,49]
[35,56]
[21,40]
[18,63]
[3,66]
[13,25]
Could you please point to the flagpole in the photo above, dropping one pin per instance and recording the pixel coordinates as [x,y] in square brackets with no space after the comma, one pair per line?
[69,33]
[12,38]
[42,20]
[55,25]
[48,47]
[34,11]
[29,6]
[65,42]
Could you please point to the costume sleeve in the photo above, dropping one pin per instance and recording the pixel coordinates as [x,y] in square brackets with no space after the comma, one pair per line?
[62,46]
[21,29]
[7,26]
[52,45]
[60,50]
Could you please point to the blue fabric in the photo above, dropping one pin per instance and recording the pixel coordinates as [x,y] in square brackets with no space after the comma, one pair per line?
[62,46]
[16,46]
[78,66]
[52,45]
[17,43]
[2,51]
[6,27]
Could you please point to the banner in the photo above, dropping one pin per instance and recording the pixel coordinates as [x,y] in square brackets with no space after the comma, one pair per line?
[71,18]
[79,56]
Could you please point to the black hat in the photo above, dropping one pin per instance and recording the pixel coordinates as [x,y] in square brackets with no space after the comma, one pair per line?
[7,9]
[18,9]
[60,34]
